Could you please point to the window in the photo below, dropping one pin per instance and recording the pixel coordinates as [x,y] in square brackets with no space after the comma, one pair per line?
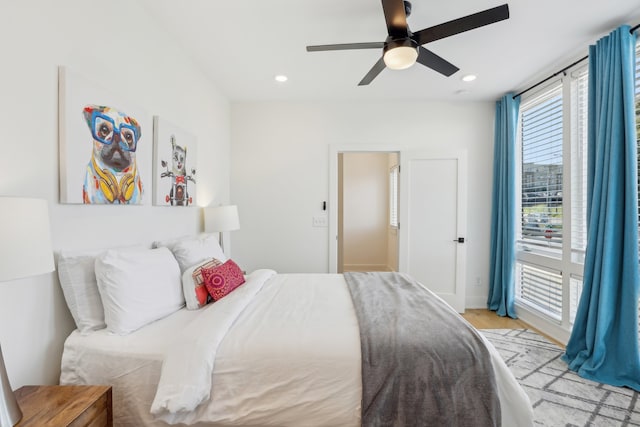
[541,140]
[579,177]
[552,177]
[393,196]
[553,149]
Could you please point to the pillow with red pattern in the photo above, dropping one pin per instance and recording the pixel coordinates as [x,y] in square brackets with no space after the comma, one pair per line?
[193,287]
[223,279]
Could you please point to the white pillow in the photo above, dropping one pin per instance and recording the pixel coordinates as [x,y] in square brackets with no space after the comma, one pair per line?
[78,281]
[76,271]
[193,250]
[170,243]
[137,287]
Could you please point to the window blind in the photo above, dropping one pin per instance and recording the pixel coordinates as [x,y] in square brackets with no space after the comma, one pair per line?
[575,290]
[393,196]
[541,288]
[580,100]
[541,139]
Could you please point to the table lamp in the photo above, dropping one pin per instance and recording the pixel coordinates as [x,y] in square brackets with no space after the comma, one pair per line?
[221,218]
[25,250]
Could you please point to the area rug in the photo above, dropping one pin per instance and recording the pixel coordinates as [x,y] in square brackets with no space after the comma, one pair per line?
[560,398]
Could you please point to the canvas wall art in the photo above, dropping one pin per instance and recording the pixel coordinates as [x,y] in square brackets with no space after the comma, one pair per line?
[175,157]
[105,145]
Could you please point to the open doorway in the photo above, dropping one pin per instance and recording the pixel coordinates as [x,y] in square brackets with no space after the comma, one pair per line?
[429,242]
[368,188]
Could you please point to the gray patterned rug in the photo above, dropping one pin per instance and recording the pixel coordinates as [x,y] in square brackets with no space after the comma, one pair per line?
[560,398]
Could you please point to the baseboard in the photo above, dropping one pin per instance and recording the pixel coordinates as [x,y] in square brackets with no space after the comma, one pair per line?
[544,325]
[365,267]
[475,301]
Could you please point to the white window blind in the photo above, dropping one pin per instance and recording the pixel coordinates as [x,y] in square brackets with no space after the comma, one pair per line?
[540,288]
[580,100]
[393,196]
[541,139]
[575,290]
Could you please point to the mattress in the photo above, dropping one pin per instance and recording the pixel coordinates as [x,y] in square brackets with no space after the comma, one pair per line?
[290,358]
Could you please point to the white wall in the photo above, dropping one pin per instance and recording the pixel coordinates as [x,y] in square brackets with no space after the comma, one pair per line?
[280,170]
[118,45]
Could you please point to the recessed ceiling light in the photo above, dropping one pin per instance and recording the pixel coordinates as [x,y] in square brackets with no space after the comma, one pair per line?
[281,78]
[469,78]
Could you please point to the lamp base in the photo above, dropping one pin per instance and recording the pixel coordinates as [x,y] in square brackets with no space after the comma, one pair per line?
[10,412]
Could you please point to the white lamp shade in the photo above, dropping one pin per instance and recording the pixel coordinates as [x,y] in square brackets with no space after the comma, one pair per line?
[25,238]
[221,218]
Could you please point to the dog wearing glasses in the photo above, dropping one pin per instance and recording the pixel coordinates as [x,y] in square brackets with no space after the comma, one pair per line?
[112,173]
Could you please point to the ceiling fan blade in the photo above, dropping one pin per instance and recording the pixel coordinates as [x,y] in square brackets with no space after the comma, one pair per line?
[396,17]
[345,46]
[436,63]
[373,72]
[461,25]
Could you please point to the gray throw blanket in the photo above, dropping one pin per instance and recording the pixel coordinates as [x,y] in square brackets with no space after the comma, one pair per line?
[422,363]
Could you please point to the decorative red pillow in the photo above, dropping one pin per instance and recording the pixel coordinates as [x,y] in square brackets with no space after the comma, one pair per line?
[223,279]
[193,287]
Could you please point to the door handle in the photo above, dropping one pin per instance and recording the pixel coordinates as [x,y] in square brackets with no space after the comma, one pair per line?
[459,240]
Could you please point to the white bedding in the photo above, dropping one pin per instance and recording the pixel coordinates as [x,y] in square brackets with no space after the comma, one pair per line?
[290,358]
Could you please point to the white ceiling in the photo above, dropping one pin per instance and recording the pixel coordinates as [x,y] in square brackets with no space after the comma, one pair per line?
[243,44]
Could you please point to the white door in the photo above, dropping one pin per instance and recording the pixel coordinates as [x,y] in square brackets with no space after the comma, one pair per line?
[433,222]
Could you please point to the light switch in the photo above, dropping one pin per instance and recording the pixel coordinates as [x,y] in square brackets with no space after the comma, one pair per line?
[320,221]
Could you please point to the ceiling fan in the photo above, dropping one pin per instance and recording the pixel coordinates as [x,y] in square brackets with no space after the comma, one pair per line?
[403,48]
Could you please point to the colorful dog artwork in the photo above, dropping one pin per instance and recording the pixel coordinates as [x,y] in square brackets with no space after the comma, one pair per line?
[174,173]
[112,173]
[178,194]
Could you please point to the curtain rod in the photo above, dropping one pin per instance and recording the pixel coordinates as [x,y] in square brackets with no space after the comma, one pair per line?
[561,71]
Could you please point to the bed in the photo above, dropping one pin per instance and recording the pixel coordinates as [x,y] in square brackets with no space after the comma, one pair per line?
[280,350]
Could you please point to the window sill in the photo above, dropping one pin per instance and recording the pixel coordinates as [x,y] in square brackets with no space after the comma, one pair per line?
[543,323]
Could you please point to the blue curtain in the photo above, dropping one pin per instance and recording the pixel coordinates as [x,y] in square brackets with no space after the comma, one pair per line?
[503,209]
[604,342]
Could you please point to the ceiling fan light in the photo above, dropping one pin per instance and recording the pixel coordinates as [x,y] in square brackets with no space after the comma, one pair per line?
[400,57]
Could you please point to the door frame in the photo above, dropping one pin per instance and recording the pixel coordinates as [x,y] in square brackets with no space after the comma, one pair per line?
[334,150]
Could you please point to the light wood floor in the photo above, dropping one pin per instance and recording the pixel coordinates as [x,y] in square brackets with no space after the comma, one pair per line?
[485,319]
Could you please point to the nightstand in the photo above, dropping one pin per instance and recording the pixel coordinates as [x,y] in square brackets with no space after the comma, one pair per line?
[65,405]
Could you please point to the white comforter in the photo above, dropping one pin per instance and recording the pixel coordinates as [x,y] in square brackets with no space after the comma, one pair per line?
[281,350]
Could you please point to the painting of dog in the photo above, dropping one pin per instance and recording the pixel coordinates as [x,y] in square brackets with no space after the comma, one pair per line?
[174,173]
[104,144]
[112,174]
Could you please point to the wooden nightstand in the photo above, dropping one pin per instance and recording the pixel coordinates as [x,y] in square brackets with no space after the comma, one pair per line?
[65,405]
